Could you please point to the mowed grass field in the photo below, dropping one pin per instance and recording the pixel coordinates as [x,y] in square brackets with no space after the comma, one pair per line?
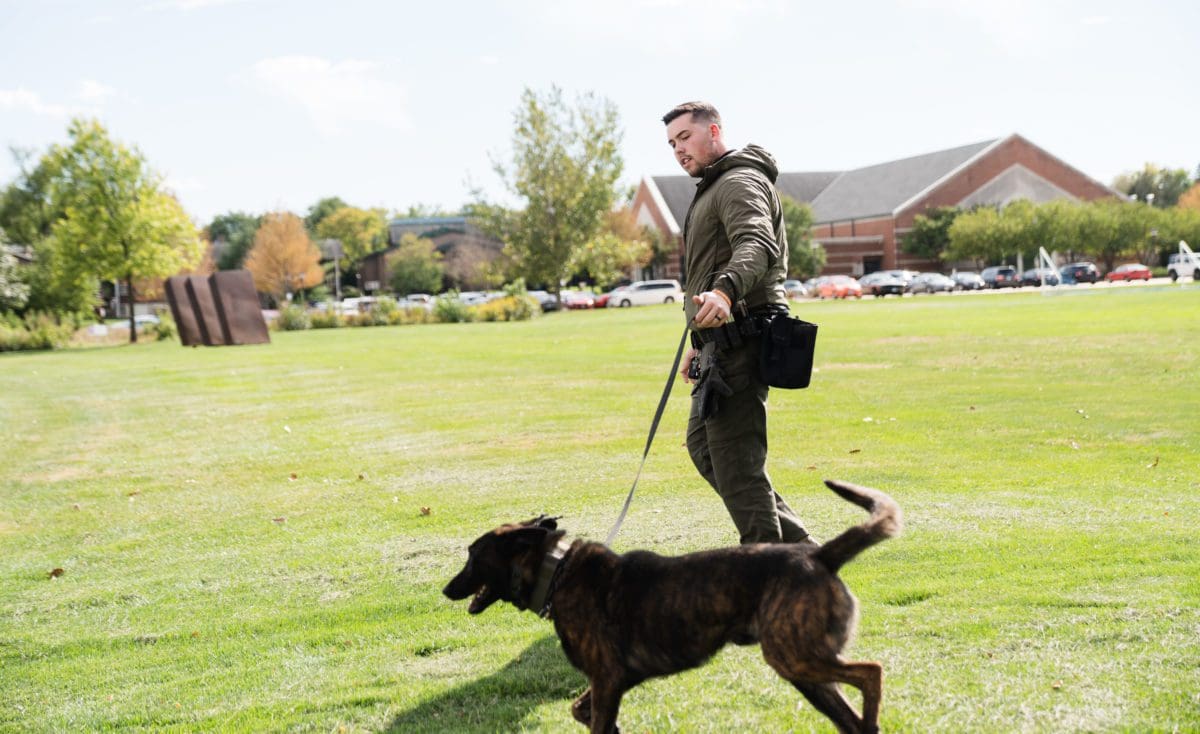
[243,546]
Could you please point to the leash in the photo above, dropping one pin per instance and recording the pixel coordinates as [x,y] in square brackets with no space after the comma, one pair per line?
[662,404]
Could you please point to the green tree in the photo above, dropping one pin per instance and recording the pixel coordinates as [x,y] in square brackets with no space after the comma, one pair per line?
[1160,186]
[118,223]
[930,233]
[564,167]
[318,211]
[232,234]
[14,291]
[977,235]
[806,257]
[27,209]
[415,266]
[361,232]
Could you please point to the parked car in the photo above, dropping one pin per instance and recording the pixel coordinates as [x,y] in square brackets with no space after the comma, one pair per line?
[967,280]
[1039,276]
[794,289]
[577,299]
[1180,265]
[882,283]
[1001,276]
[838,286]
[930,283]
[546,300]
[644,292]
[904,275]
[603,299]
[1130,271]
[140,320]
[1080,272]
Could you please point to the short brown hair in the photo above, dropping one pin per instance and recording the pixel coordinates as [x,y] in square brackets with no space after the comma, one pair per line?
[700,111]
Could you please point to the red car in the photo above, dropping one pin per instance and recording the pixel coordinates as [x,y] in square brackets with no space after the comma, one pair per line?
[1132,271]
[577,299]
[838,286]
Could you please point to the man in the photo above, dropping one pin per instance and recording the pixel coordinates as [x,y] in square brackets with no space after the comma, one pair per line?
[736,250]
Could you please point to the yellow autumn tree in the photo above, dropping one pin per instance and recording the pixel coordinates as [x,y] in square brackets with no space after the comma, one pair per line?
[1191,197]
[283,260]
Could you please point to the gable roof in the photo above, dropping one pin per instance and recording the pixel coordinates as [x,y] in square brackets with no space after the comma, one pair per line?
[860,193]
[881,189]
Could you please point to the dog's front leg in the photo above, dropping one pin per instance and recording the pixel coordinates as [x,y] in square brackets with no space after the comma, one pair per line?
[605,700]
[581,709]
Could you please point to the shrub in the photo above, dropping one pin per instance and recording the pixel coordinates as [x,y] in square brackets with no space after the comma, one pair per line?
[509,308]
[328,319]
[38,330]
[293,317]
[449,310]
[164,329]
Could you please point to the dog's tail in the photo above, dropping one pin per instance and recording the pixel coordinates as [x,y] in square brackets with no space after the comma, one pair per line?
[886,521]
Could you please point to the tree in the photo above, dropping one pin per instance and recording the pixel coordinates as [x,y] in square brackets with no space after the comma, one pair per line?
[1191,198]
[806,257]
[232,235]
[27,210]
[620,246]
[976,235]
[930,233]
[323,208]
[565,164]
[117,223]
[1160,186]
[415,266]
[361,232]
[284,260]
[14,292]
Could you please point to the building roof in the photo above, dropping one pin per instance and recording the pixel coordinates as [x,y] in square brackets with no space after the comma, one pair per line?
[877,190]
[881,189]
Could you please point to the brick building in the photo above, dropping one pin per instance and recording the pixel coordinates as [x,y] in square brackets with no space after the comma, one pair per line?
[860,214]
[465,251]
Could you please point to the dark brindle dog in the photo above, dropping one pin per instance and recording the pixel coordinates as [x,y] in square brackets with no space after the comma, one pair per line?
[625,618]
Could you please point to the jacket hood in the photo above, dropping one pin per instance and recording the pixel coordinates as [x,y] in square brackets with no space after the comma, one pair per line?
[752,155]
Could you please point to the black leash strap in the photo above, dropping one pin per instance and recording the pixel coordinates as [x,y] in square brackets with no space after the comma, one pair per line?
[662,404]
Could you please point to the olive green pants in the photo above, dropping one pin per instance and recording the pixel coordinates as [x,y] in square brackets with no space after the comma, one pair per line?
[730,451]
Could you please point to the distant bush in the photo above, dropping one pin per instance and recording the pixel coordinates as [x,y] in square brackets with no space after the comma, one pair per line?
[37,330]
[293,317]
[448,309]
[164,329]
[327,319]
[509,308]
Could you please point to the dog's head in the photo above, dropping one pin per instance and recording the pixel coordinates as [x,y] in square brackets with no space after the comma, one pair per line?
[503,564]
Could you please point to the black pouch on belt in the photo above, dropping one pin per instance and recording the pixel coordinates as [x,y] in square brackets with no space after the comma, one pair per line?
[787,352]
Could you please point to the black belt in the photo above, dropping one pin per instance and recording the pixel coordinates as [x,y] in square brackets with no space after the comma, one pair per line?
[734,334]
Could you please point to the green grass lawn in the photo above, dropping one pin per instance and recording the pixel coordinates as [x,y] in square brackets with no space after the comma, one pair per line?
[243,546]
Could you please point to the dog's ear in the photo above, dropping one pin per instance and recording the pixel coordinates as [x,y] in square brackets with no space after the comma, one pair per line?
[543,521]
[528,535]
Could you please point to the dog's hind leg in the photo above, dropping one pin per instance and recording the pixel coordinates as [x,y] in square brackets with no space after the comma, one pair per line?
[829,700]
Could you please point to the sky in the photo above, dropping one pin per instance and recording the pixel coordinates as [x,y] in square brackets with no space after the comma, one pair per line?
[266,105]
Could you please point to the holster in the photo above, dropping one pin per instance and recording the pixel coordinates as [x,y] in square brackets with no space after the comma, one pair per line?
[712,384]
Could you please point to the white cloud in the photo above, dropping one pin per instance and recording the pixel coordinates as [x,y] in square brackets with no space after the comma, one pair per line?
[23,99]
[91,90]
[334,94]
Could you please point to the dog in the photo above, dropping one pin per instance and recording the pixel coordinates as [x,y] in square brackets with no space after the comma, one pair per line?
[625,618]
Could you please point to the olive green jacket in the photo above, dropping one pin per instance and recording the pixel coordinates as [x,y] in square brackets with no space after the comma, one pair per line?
[734,238]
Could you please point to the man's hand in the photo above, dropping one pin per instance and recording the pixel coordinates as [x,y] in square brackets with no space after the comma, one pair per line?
[714,309]
[688,356]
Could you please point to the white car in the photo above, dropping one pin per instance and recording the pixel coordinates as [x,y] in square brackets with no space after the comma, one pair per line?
[645,292]
[1181,265]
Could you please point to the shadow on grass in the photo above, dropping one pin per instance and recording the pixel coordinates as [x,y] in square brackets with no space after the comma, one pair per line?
[502,700]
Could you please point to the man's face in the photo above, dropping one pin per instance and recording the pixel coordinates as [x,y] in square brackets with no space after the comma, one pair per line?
[697,143]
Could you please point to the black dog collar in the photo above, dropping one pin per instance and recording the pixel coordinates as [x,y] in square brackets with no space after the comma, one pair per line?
[543,589]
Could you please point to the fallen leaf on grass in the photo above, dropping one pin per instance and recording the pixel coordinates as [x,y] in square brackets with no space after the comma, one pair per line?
[1056,685]
[1074,445]
[811,467]
[855,451]
[292,477]
[426,511]
[75,506]
[971,408]
[55,573]
[1080,412]
[362,477]
[1152,464]
[287,429]
[279,520]
[134,493]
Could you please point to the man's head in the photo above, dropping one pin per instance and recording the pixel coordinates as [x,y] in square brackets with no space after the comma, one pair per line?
[694,133]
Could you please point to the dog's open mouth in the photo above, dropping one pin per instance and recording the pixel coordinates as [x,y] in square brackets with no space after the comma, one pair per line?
[482,600]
